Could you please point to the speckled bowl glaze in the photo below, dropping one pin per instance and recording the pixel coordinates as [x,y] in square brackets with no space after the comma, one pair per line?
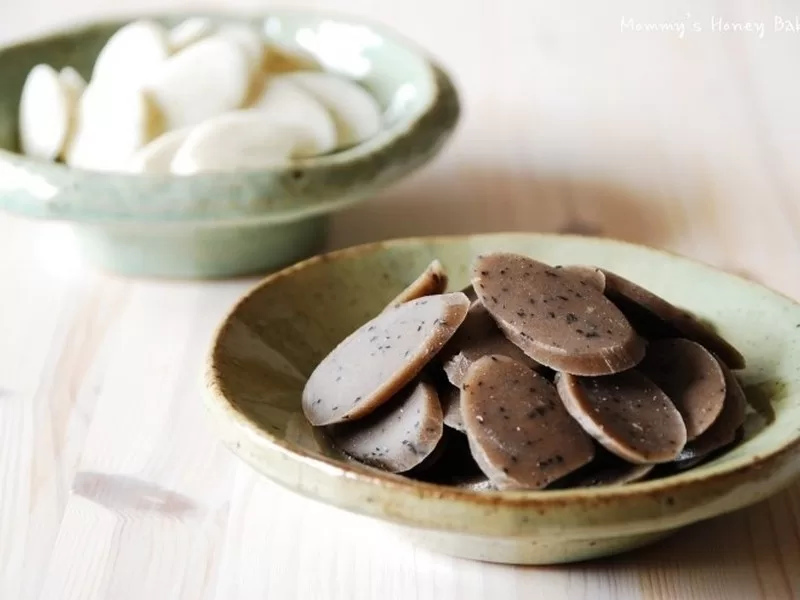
[222,224]
[273,338]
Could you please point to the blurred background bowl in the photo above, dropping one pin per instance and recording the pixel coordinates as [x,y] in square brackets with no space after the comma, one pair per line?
[221,224]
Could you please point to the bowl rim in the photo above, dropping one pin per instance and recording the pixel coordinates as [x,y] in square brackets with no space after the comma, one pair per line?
[443,92]
[721,476]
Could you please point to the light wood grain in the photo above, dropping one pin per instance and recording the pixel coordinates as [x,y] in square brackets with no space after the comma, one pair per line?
[112,485]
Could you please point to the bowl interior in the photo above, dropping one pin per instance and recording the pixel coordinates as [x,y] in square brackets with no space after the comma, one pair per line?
[395,72]
[275,336]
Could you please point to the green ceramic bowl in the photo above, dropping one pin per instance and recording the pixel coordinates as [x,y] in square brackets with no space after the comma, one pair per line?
[215,225]
[276,334]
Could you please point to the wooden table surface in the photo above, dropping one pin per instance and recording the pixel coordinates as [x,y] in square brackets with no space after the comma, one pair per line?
[577,117]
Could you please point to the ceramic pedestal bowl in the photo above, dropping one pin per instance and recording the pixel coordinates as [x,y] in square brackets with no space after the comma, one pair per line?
[274,337]
[221,224]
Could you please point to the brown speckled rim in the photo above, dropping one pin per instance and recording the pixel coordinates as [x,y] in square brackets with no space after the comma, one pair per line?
[662,490]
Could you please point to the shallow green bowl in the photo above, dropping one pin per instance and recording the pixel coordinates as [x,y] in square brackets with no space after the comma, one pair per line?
[273,338]
[222,224]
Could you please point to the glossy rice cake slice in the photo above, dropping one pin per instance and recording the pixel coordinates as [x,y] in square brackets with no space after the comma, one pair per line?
[380,358]
[518,430]
[725,429]
[432,281]
[691,377]
[398,436]
[627,414]
[558,318]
